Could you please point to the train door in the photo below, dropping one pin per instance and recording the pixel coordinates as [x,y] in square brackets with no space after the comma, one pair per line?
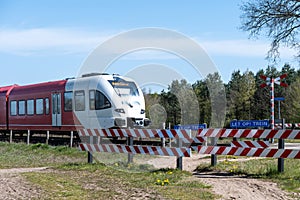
[56,109]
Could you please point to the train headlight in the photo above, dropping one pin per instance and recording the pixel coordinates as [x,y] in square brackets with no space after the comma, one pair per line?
[142,111]
[120,110]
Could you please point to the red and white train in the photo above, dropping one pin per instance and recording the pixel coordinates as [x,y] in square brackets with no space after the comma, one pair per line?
[91,101]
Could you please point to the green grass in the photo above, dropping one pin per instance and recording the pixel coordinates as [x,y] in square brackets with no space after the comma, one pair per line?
[70,177]
[263,169]
[37,155]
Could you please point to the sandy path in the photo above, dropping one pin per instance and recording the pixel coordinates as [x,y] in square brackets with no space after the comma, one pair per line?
[229,187]
[235,187]
[14,186]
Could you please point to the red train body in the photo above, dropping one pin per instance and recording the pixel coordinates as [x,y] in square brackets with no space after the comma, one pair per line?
[93,100]
[30,107]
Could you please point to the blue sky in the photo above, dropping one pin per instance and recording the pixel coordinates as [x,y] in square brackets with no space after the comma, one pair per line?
[49,40]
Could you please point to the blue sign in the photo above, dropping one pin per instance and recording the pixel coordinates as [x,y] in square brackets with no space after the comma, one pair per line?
[190,126]
[279,98]
[249,123]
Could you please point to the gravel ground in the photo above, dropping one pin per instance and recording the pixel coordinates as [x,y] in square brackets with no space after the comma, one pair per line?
[229,187]
[14,186]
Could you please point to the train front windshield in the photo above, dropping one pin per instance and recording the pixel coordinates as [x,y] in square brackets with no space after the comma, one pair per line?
[124,88]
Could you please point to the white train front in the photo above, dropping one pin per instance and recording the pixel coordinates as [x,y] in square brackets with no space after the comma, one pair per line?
[114,101]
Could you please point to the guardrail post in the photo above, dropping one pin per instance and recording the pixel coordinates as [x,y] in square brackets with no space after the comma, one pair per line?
[281,146]
[47,137]
[28,137]
[163,142]
[10,136]
[130,143]
[71,139]
[99,140]
[179,159]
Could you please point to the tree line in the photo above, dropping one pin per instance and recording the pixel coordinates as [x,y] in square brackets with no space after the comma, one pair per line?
[204,102]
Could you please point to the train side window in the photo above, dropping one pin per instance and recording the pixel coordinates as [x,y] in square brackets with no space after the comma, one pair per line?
[47,106]
[98,100]
[79,100]
[92,99]
[101,101]
[68,101]
[13,108]
[39,105]
[30,107]
[21,107]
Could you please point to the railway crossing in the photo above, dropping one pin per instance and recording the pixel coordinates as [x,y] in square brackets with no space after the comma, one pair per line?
[186,142]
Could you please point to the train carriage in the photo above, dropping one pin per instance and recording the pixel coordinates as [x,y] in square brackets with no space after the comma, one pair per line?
[91,101]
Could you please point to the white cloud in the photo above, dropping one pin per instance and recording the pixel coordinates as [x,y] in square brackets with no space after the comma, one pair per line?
[245,48]
[71,41]
[35,41]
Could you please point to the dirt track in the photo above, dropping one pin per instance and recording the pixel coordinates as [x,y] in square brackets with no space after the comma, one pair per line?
[229,187]
[235,187]
[13,186]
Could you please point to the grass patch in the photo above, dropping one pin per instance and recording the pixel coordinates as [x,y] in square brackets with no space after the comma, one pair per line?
[37,155]
[264,169]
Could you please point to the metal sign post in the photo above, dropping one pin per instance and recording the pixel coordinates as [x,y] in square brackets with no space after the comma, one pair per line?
[272,104]
[281,146]
[270,82]
[279,99]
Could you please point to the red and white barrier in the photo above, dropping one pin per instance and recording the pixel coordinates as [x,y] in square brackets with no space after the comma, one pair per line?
[143,133]
[253,152]
[250,133]
[250,144]
[287,125]
[150,150]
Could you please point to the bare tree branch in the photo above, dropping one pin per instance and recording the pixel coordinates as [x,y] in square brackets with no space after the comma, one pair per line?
[279,20]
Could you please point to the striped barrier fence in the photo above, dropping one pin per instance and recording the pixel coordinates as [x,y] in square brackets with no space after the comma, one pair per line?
[252,152]
[250,133]
[180,135]
[287,125]
[237,148]
[250,144]
[251,148]
[136,149]
[144,133]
